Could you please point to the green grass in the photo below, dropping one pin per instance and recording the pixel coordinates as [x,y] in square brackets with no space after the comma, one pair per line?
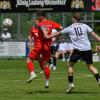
[13,86]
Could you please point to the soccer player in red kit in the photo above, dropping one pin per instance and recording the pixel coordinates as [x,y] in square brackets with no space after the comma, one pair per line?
[35,51]
[45,27]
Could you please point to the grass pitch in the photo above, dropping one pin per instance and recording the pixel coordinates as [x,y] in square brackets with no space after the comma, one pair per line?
[13,86]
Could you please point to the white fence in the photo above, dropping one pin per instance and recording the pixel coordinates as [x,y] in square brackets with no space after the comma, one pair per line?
[12,49]
[96,58]
[19,50]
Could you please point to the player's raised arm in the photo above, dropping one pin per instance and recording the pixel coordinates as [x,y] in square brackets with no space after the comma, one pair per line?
[62,32]
[54,35]
[95,36]
[45,31]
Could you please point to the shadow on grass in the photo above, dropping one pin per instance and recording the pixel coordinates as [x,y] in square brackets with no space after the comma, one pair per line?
[83,92]
[59,92]
[38,91]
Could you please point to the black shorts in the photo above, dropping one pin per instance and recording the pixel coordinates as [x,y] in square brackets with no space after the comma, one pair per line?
[83,55]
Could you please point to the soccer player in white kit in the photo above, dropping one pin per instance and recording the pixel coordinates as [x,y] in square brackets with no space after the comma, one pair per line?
[78,33]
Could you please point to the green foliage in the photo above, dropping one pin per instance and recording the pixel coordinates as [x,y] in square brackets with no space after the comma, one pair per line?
[23,21]
[97,25]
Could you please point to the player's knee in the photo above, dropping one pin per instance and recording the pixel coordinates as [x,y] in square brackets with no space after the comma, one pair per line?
[70,71]
[46,64]
[28,60]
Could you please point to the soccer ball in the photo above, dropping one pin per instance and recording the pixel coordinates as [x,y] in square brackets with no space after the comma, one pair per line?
[7,22]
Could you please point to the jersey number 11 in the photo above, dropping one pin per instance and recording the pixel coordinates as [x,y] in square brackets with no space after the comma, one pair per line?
[78,31]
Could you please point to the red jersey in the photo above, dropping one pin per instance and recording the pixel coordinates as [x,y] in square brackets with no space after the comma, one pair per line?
[35,34]
[48,25]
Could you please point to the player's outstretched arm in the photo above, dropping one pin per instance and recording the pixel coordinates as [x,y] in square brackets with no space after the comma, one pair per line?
[95,36]
[54,35]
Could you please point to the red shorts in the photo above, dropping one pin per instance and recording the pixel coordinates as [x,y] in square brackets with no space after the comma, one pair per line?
[35,53]
[46,52]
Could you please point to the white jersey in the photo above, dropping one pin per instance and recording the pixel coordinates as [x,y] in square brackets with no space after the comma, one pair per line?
[78,33]
[6,36]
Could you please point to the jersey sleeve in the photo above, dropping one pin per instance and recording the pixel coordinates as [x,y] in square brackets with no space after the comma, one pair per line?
[89,30]
[65,31]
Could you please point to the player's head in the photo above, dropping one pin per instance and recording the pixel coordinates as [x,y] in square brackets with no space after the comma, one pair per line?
[41,15]
[76,17]
[36,22]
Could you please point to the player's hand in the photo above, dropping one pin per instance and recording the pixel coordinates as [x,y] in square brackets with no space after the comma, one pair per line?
[47,36]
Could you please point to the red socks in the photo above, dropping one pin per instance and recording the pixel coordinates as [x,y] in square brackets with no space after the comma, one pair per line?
[30,66]
[47,72]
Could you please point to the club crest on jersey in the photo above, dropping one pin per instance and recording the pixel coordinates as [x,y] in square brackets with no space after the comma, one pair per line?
[36,34]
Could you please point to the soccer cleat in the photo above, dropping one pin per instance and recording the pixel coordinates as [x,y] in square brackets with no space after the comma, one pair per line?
[63,59]
[99,81]
[33,76]
[47,84]
[41,72]
[70,88]
[54,68]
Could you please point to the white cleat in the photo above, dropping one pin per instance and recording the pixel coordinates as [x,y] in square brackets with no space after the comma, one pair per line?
[99,81]
[70,88]
[41,72]
[47,84]
[54,68]
[63,59]
[31,78]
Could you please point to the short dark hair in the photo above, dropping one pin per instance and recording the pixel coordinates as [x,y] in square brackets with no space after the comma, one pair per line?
[77,16]
[41,13]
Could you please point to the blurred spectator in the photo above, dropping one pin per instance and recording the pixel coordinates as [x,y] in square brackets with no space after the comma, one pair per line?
[6,35]
[61,50]
[97,48]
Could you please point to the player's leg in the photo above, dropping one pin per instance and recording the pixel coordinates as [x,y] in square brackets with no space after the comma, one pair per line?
[41,63]
[63,55]
[94,72]
[89,61]
[47,74]
[46,58]
[55,57]
[87,57]
[70,76]
[51,58]
[58,53]
[69,53]
[54,49]
[72,60]
[30,64]
[30,67]
[33,55]
[54,62]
